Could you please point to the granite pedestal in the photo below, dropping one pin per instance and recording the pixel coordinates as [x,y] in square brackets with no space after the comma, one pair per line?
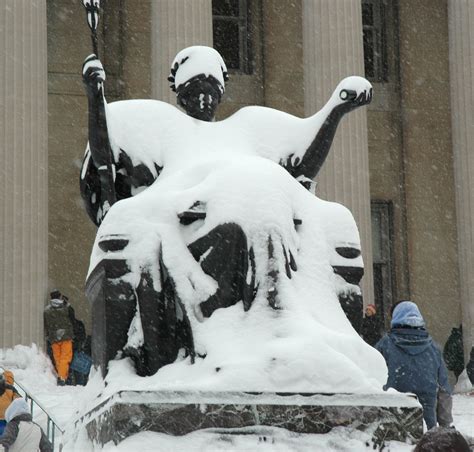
[385,416]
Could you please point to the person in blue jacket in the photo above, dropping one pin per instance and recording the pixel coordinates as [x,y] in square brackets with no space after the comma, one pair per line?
[415,363]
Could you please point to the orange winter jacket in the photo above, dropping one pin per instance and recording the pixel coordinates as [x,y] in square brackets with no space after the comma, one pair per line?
[9,395]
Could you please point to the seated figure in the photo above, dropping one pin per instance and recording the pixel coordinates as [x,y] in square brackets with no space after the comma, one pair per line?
[177,187]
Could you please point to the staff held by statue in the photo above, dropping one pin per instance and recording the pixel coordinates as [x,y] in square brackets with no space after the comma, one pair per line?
[99,143]
[92,8]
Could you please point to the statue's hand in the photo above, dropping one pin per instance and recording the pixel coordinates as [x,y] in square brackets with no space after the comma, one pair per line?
[353,92]
[93,74]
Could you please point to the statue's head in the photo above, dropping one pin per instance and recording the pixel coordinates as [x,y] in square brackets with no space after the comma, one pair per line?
[198,76]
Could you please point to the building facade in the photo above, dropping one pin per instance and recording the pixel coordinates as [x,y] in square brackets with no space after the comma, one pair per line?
[403,165]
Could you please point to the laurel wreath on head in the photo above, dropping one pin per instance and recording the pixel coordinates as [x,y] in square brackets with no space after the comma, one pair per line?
[174,70]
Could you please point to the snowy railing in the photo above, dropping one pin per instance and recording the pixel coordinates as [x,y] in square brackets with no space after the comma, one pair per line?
[51,423]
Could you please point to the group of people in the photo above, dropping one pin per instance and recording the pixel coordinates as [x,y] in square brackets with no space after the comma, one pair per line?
[67,342]
[17,429]
[415,364]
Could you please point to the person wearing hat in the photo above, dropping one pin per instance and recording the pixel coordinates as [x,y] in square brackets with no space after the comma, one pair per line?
[371,325]
[21,433]
[8,394]
[59,333]
[415,363]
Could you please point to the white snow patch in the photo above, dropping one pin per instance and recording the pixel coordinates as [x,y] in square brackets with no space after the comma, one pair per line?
[197,60]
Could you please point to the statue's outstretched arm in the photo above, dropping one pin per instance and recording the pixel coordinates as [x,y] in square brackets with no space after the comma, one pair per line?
[98,162]
[351,93]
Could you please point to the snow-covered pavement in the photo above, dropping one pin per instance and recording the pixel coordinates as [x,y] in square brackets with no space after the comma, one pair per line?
[34,372]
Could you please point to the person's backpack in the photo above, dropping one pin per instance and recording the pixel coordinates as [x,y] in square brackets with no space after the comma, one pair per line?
[81,362]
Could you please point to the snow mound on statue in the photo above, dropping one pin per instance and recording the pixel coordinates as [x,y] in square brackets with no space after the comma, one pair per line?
[307,344]
[153,133]
[196,60]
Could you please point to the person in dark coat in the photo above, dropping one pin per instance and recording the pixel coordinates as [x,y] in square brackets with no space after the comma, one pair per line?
[470,367]
[21,433]
[78,346]
[59,333]
[371,325]
[453,352]
[415,363]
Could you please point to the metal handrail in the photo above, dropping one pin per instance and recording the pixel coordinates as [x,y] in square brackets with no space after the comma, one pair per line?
[52,424]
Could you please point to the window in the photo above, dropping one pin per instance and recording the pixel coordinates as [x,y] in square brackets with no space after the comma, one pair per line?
[230,20]
[381,213]
[374,24]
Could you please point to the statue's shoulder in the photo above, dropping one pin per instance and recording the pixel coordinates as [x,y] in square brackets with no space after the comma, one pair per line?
[258,116]
[150,106]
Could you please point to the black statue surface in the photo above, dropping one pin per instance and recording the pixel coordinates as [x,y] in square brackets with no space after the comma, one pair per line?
[133,145]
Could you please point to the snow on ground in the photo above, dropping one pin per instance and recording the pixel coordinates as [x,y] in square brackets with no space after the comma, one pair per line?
[271,440]
[34,372]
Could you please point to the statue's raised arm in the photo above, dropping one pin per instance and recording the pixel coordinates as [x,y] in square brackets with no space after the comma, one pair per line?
[351,93]
[300,145]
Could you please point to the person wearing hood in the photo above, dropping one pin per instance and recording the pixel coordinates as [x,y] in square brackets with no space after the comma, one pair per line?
[59,333]
[415,363]
[21,433]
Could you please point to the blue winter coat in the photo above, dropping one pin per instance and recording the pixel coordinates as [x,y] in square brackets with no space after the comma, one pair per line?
[415,364]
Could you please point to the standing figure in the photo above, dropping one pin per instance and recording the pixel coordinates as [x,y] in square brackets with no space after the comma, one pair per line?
[8,394]
[21,433]
[78,374]
[453,352]
[415,363]
[59,334]
[470,367]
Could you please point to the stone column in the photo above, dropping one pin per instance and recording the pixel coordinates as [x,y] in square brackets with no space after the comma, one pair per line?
[23,171]
[332,50]
[176,24]
[461,58]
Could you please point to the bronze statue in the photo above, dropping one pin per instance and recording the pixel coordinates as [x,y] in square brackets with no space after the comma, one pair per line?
[116,168]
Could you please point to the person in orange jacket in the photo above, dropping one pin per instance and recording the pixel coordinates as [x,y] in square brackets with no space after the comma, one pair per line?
[60,333]
[8,394]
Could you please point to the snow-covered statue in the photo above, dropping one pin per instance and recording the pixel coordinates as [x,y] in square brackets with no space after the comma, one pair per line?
[211,250]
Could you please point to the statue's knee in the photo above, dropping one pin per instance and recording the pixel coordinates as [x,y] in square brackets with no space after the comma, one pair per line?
[228,231]
[224,240]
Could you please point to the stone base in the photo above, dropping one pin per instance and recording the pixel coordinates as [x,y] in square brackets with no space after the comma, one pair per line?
[385,416]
